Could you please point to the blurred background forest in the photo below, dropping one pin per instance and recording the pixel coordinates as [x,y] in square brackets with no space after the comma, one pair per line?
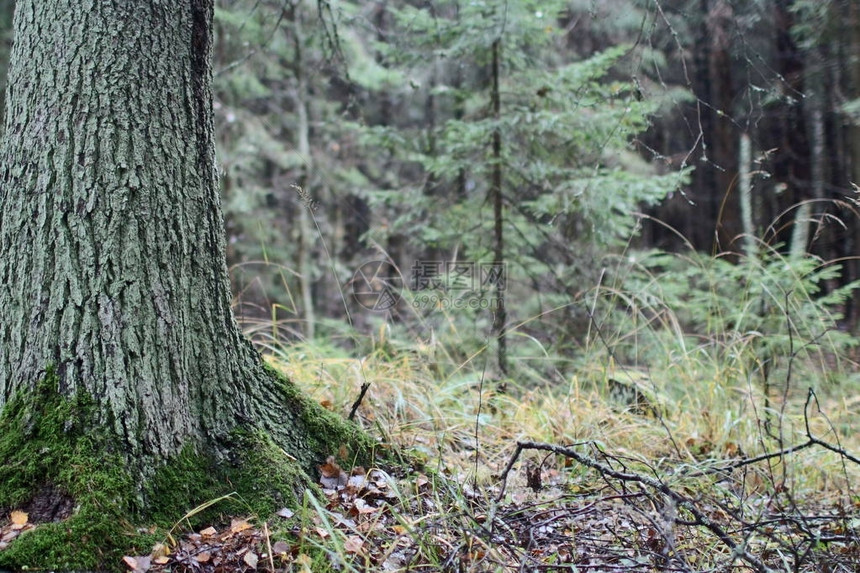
[656,177]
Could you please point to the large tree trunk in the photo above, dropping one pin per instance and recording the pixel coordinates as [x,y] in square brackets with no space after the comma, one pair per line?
[112,271]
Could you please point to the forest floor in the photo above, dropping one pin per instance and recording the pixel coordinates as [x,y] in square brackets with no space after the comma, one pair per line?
[375,521]
[556,477]
[612,486]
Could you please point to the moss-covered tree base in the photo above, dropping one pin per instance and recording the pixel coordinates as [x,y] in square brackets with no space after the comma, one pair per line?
[90,507]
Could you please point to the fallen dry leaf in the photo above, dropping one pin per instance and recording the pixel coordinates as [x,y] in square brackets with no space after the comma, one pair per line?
[138,564]
[285,512]
[332,476]
[238,525]
[208,532]
[363,508]
[330,468]
[251,559]
[159,550]
[19,519]
[353,544]
[369,526]
[202,557]
[356,483]
[280,548]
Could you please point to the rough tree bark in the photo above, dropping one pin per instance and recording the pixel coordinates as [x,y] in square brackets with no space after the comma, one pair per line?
[112,264]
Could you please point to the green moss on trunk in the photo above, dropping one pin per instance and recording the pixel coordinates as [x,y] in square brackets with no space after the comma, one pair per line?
[89,506]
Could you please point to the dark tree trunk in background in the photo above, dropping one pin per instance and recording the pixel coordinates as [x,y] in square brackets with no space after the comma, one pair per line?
[397,247]
[433,188]
[852,241]
[716,165]
[500,317]
[853,68]
[704,186]
[791,164]
[111,234]
[301,102]
[723,140]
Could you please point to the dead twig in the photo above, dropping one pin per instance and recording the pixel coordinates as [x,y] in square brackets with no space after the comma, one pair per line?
[364,388]
[738,550]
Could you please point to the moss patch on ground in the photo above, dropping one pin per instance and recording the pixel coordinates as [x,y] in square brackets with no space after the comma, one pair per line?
[258,480]
[325,430]
[75,491]
[90,510]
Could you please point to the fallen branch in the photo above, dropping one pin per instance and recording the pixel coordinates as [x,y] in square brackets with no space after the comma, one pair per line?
[811,440]
[738,551]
